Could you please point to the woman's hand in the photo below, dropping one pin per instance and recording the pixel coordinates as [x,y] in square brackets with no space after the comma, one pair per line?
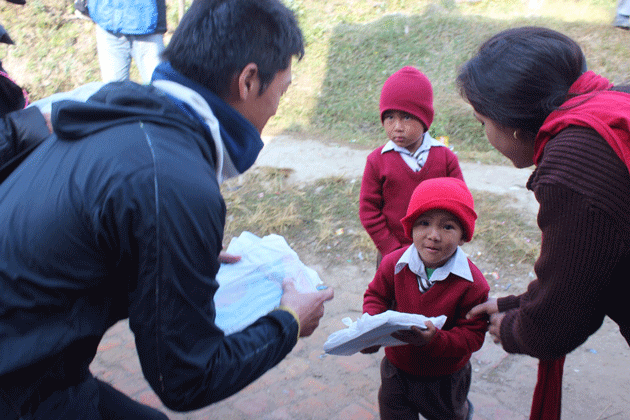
[488,308]
[494,326]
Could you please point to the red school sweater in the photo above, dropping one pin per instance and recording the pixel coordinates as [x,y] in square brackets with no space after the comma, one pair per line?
[386,189]
[451,347]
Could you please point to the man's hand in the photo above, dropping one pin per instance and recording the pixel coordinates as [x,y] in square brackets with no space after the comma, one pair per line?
[308,306]
[417,336]
[46,116]
[225,258]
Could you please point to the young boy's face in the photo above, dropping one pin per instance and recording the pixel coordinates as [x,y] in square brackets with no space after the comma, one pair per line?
[436,235]
[403,129]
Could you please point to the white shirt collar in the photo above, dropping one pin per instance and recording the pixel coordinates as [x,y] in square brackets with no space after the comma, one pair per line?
[427,143]
[457,264]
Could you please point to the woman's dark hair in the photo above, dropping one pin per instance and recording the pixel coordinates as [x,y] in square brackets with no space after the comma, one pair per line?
[520,75]
[216,39]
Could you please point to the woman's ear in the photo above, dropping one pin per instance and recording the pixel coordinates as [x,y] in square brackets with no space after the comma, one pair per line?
[524,136]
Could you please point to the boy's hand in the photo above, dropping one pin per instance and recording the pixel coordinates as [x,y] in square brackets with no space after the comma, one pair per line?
[416,336]
[370,350]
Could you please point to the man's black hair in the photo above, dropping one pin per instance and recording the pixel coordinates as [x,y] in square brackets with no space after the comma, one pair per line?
[216,39]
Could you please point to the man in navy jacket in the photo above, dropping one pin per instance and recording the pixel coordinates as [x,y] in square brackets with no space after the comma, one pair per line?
[119,215]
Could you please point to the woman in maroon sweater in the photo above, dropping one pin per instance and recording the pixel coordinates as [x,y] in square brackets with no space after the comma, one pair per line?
[530,89]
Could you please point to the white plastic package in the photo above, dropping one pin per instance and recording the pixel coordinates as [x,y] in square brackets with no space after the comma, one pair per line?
[252,287]
[373,330]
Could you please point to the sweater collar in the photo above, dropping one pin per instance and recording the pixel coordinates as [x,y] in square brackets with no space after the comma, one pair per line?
[237,141]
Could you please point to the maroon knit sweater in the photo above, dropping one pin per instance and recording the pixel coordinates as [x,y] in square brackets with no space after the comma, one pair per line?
[386,189]
[583,270]
[451,347]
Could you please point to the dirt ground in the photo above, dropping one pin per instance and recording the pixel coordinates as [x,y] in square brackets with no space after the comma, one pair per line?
[596,380]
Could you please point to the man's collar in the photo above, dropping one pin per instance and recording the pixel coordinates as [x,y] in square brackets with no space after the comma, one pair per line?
[240,139]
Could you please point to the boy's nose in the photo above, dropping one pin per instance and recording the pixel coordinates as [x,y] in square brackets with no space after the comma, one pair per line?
[434,234]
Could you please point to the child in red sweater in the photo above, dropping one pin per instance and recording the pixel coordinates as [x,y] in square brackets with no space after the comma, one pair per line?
[431,374]
[410,156]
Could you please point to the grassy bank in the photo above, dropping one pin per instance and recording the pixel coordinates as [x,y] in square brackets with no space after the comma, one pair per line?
[352,46]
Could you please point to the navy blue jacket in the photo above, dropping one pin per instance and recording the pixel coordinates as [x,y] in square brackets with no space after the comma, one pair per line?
[119,215]
[21,131]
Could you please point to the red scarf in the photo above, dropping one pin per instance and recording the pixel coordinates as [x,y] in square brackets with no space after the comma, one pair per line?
[547,399]
[596,107]
[608,113]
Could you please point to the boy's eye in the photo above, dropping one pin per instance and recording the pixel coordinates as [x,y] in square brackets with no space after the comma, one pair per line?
[449,226]
[422,223]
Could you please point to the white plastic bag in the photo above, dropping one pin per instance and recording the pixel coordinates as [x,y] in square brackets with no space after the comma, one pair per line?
[375,330]
[252,287]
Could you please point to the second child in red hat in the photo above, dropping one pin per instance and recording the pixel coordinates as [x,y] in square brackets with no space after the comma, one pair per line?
[431,374]
[411,155]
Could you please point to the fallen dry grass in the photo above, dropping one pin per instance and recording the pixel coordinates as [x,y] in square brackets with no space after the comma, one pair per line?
[322,218]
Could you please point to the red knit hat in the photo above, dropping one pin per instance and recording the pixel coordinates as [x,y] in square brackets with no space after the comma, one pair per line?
[450,194]
[410,91]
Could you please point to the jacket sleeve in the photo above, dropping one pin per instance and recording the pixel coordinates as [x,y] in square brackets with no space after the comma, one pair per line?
[371,208]
[171,227]
[559,310]
[20,130]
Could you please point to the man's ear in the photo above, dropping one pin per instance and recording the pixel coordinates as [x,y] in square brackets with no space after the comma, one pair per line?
[248,82]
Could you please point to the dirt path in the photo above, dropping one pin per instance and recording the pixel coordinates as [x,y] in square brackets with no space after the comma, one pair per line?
[596,380]
[310,385]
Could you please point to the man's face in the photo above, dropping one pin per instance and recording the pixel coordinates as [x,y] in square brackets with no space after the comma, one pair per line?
[259,108]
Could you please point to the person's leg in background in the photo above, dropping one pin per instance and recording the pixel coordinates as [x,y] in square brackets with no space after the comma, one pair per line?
[114,55]
[622,18]
[146,51]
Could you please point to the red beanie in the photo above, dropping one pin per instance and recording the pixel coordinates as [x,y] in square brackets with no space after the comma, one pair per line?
[410,91]
[450,194]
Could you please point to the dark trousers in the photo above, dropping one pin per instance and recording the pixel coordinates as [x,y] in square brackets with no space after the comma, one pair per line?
[403,396]
[89,400]
[114,405]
